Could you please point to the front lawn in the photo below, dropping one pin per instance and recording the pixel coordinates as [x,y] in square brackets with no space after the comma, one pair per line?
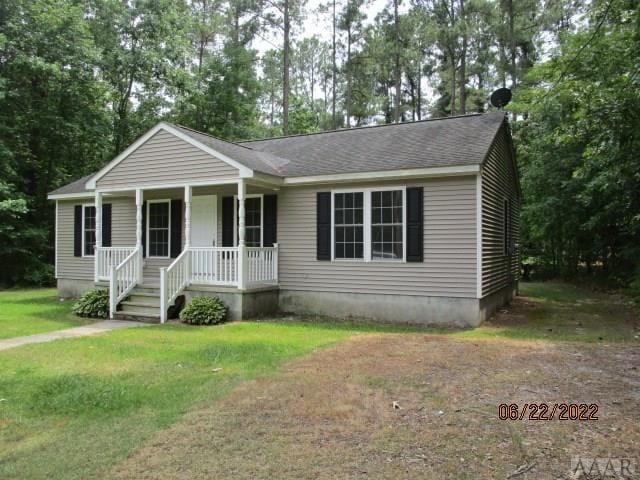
[80,408]
[71,408]
[27,312]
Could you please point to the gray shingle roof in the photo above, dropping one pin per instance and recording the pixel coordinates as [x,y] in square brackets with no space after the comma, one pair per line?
[260,161]
[76,186]
[442,142]
[450,141]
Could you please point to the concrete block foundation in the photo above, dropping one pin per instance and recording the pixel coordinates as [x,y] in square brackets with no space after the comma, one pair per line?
[72,288]
[242,305]
[413,309]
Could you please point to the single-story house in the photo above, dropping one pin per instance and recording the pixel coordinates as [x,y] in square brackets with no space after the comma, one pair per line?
[411,222]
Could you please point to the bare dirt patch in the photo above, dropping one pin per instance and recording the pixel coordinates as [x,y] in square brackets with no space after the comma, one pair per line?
[331,415]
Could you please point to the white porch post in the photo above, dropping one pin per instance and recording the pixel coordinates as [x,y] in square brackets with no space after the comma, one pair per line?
[98,231]
[139,226]
[187,216]
[242,263]
[187,228]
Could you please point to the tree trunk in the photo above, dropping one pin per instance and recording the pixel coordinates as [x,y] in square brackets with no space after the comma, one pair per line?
[333,72]
[348,102]
[512,44]
[419,107]
[285,77]
[463,64]
[397,55]
[453,85]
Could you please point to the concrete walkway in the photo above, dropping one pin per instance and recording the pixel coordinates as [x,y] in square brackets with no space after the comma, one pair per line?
[84,331]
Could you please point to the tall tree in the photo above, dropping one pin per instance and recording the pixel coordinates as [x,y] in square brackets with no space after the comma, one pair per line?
[54,125]
[396,54]
[351,23]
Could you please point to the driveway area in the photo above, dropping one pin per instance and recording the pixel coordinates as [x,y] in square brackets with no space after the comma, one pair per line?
[411,405]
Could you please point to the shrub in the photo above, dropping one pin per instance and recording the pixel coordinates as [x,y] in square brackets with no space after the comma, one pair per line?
[204,311]
[94,303]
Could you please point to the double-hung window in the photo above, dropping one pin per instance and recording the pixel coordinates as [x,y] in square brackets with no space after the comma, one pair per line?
[159,228]
[387,225]
[348,219]
[253,221]
[88,230]
[369,224]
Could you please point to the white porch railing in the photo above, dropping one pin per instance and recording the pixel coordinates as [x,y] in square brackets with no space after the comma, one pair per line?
[107,257]
[217,266]
[262,265]
[123,278]
[214,265]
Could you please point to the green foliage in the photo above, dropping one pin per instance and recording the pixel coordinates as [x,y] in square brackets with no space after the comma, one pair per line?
[204,311]
[94,304]
[577,151]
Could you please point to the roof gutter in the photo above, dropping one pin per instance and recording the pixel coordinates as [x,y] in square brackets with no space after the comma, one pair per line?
[384,175]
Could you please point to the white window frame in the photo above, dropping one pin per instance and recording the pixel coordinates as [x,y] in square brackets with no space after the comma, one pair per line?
[366,223]
[84,205]
[235,217]
[148,246]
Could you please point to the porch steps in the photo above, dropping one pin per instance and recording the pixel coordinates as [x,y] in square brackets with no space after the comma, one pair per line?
[142,304]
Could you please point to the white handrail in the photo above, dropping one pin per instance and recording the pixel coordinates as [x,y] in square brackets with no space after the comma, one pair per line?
[173,280]
[107,257]
[123,278]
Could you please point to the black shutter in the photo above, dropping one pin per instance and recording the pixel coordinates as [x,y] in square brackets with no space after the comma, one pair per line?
[77,231]
[270,217]
[144,229]
[323,231]
[415,228]
[176,227]
[227,221]
[106,225]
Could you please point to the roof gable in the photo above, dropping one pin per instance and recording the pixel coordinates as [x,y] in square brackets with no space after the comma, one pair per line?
[172,130]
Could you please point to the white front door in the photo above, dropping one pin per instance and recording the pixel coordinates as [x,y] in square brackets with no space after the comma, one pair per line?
[204,220]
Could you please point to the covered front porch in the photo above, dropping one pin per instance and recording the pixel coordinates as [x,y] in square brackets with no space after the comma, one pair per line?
[191,235]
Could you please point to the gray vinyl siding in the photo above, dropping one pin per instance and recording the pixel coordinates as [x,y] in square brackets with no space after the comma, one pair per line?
[165,158]
[499,182]
[449,268]
[123,233]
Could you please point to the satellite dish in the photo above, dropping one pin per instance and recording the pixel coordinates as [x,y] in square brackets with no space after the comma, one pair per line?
[501,97]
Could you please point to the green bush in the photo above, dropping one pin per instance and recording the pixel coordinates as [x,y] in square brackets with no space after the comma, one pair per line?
[204,311]
[94,303]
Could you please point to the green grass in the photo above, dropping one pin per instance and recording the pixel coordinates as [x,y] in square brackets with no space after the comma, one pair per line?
[557,311]
[26,312]
[72,408]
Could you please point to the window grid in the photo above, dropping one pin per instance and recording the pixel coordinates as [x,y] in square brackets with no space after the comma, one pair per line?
[159,229]
[387,219]
[349,225]
[89,230]
[253,220]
